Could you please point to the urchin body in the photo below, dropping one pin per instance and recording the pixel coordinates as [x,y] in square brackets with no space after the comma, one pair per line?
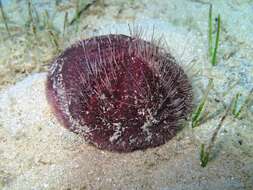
[120,93]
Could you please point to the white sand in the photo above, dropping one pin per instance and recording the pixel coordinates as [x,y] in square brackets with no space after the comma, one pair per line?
[37,153]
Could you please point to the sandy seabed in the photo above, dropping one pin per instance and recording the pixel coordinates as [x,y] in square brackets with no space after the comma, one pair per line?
[36,152]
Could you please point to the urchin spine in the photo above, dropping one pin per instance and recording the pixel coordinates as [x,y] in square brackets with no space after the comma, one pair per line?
[121,93]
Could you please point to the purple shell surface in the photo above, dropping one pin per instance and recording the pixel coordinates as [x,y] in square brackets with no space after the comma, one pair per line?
[120,93]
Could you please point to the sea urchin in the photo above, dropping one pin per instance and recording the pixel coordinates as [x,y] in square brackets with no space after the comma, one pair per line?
[119,92]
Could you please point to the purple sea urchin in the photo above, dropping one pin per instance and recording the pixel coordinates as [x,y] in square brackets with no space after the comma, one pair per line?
[120,93]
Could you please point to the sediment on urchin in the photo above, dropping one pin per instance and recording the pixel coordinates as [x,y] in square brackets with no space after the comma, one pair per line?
[119,92]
